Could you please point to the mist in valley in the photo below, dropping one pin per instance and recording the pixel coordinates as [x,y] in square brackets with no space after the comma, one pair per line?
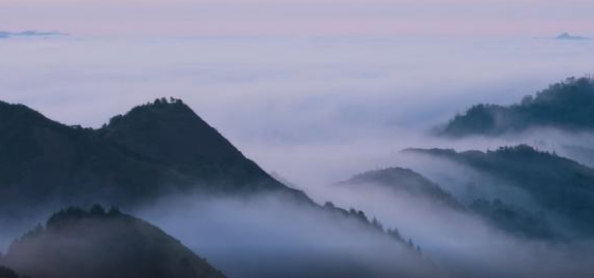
[319,112]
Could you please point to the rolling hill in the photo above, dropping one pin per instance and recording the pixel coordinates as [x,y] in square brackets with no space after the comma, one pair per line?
[96,243]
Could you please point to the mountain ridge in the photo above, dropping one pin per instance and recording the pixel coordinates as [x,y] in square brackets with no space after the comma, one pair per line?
[401,179]
[159,148]
[568,105]
[560,185]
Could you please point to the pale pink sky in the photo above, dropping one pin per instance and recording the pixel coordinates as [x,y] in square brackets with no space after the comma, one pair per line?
[482,18]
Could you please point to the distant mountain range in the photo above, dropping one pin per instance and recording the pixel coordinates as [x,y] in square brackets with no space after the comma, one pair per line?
[567,105]
[155,149]
[561,186]
[29,33]
[95,243]
[568,36]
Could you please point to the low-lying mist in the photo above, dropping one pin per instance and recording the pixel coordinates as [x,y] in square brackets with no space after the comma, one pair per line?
[312,164]
[462,242]
[13,226]
[271,236]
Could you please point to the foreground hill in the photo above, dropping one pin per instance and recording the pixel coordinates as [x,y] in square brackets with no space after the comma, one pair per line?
[404,180]
[154,149]
[6,272]
[561,186]
[568,105]
[95,243]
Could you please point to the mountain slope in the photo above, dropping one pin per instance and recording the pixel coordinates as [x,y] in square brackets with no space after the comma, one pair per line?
[404,180]
[560,185]
[568,105]
[513,219]
[155,149]
[7,273]
[171,134]
[89,244]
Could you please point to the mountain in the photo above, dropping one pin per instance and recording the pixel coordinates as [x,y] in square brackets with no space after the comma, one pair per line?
[404,180]
[568,105]
[6,272]
[171,134]
[30,33]
[96,243]
[563,187]
[513,219]
[567,36]
[155,149]
[509,218]
[579,153]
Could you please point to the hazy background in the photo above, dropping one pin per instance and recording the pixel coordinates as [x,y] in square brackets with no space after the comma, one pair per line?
[305,107]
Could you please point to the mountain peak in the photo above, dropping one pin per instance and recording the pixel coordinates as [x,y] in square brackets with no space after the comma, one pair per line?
[169,132]
[162,108]
[164,102]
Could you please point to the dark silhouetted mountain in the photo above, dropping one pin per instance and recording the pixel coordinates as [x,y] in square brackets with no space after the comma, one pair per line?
[560,185]
[568,36]
[171,134]
[568,105]
[404,180]
[155,149]
[98,244]
[513,219]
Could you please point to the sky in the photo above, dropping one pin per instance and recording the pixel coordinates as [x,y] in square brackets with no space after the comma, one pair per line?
[445,18]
